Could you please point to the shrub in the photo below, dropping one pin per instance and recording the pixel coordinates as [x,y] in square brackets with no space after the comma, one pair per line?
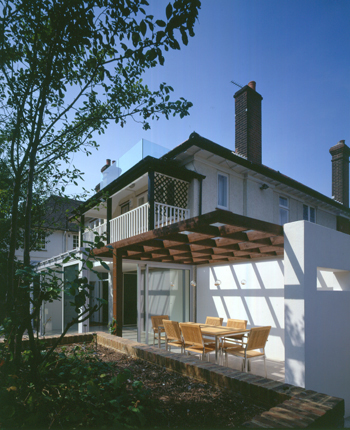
[79,390]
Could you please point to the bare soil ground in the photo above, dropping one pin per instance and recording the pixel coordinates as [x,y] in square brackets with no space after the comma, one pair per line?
[185,402]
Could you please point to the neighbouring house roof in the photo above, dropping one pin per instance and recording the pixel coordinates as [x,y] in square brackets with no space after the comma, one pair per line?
[196,143]
[170,168]
[215,237]
[57,211]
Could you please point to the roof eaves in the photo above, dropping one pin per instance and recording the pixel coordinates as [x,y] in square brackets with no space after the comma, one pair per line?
[143,166]
[196,140]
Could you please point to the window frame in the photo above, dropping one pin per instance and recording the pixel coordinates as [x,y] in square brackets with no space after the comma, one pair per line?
[309,213]
[218,205]
[283,209]
[75,238]
[123,206]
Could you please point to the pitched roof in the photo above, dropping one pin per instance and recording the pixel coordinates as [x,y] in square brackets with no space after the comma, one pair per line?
[195,140]
[57,210]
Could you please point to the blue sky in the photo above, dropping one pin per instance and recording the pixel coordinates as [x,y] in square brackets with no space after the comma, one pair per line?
[297,51]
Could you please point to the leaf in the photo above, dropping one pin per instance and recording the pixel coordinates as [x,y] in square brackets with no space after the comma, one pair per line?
[103,264]
[169,11]
[89,264]
[160,23]
[143,27]
[66,260]
[13,388]
[184,36]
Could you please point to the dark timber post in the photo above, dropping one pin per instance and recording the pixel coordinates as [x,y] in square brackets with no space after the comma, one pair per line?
[109,217]
[82,223]
[118,291]
[151,200]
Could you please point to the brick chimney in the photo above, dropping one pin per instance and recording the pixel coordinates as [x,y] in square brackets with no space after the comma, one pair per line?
[340,172]
[248,123]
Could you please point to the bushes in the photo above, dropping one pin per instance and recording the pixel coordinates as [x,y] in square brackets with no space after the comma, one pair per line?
[78,391]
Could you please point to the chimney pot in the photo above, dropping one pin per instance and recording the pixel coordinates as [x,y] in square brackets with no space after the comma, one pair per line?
[108,163]
[252,85]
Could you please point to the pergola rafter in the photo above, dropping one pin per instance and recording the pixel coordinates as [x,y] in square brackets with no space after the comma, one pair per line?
[209,238]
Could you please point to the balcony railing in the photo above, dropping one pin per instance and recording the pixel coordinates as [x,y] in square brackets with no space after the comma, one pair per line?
[129,224]
[89,236]
[136,221]
[166,214]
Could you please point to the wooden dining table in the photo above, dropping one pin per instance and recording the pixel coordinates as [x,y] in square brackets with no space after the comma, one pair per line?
[218,332]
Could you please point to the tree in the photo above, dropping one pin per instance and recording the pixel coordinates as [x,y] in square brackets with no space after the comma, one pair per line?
[68,68]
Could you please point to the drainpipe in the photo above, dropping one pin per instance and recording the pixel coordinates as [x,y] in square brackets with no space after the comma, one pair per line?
[200,195]
[109,217]
[194,286]
[82,222]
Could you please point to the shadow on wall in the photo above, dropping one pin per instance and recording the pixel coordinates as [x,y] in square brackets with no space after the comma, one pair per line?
[251,291]
[295,368]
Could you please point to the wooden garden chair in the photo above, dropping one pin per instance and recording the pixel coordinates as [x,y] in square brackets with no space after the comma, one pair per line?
[173,336]
[157,320]
[214,321]
[257,339]
[194,342]
[233,339]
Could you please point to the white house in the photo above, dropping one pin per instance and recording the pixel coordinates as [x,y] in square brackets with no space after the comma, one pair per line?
[206,231]
[56,234]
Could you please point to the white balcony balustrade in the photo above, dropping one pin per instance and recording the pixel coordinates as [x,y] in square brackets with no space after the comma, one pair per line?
[136,222]
[89,236]
[166,214]
[130,224]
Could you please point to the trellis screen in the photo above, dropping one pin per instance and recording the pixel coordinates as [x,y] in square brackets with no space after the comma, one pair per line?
[170,191]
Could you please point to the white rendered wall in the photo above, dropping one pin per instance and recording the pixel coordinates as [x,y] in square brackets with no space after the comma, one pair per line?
[317,304]
[56,243]
[250,291]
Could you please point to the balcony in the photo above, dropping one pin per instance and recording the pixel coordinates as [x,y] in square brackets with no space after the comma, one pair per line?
[136,221]
[89,236]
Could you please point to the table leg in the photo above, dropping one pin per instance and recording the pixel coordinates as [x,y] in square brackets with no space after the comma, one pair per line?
[216,348]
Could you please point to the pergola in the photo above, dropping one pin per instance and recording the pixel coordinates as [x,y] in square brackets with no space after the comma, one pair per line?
[212,238]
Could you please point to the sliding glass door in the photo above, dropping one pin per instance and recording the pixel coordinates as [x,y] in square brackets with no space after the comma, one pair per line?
[162,292]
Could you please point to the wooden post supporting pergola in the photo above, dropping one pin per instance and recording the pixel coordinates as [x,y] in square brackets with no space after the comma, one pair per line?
[118,290]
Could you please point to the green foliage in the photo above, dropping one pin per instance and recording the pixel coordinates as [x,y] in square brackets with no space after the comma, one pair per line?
[113,326]
[67,68]
[79,391]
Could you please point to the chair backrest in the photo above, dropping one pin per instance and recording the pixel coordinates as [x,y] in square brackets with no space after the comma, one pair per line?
[172,330]
[214,321]
[157,320]
[258,337]
[236,323]
[192,334]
